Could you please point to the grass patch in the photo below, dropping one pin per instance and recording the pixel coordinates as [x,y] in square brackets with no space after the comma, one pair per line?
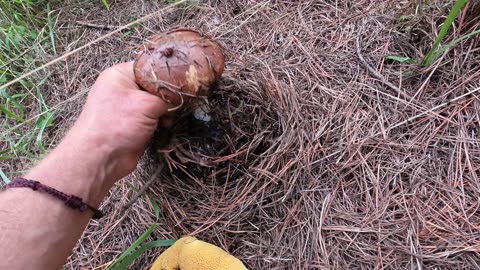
[452,15]
[138,248]
[435,50]
[26,28]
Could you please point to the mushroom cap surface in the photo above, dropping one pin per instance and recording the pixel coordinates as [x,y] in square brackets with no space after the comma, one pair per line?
[179,65]
[189,253]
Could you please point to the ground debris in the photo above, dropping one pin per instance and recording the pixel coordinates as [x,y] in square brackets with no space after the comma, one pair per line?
[305,165]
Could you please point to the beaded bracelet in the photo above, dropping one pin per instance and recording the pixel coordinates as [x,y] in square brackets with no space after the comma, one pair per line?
[69,200]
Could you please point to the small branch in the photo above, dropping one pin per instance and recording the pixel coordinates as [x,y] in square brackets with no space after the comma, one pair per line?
[376,74]
[97,26]
[144,188]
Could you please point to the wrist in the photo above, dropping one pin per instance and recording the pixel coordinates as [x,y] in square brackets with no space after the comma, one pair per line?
[84,168]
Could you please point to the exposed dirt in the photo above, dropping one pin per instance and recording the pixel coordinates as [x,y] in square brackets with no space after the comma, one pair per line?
[311,161]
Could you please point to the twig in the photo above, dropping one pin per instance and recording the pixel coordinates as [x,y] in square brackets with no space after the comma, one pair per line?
[97,26]
[144,188]
[376,74]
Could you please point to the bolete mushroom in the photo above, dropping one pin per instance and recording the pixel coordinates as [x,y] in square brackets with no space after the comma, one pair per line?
[178,66]
[189,253]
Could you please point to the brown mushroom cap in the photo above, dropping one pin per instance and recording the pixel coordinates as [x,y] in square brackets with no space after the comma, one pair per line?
[179,65]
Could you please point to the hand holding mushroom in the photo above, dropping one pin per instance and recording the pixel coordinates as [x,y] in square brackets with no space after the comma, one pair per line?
[182,67]
[179,66]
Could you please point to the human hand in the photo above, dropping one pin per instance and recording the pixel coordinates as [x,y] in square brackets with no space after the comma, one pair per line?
[103,146]
[118,118]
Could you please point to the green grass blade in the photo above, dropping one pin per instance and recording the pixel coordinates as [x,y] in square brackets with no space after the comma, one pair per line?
[19,107]
[13,101]
[20,95]
[41,101]
[156,209]
[4,177]
[20,144]
[22,149]
[42,125]
[140,240]
[50,27]
[130,259]
[443,31]
[105,3]
[129,255]
[454,42]
[24,140]
[26,83]
[5,151]
[10,114]
[7,157]
[400,59]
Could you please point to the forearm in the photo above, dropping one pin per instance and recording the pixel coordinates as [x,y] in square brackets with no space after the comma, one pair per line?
[39,231]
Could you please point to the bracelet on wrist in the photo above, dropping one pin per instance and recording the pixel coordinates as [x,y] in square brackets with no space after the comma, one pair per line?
[71,201]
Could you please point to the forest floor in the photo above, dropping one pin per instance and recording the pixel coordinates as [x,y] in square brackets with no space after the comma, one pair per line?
[322,153]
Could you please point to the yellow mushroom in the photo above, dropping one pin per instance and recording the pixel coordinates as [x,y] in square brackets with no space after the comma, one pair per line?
[189,253]
[168,260]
